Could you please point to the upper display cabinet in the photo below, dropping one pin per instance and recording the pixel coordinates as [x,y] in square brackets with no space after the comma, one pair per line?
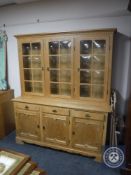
[75,65]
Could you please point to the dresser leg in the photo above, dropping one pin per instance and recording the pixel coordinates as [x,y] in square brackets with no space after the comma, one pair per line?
[98,158]
[18,141]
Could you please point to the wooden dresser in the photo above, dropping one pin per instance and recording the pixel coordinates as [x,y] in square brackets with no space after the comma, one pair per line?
[7,123]
[65,82]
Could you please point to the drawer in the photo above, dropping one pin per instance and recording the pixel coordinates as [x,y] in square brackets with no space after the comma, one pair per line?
[89,115]
[26,106]
[55,110]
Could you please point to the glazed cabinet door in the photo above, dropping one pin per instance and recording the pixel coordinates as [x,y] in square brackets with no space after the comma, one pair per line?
[32,66]
[28,124]
[86,134]
[60,66]
[55,129]
[93,59]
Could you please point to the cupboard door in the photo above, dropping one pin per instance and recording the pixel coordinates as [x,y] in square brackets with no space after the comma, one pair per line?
[28,125]
[86,134]
[60,66]
[55,129]
[92,67]
[32,66]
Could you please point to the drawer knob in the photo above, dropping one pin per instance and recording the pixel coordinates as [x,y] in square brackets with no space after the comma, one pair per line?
[54,110]
[26,107]
[43,127]
[38,126]
[87,115]
[73,133]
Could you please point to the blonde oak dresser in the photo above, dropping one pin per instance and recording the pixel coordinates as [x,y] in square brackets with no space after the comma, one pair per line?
[65,83]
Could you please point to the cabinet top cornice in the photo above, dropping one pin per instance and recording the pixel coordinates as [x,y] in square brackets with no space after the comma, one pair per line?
[112,30]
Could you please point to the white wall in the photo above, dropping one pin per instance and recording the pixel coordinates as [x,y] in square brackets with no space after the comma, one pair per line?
[60,15]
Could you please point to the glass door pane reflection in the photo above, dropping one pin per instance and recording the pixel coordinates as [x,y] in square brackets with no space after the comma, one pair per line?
[26,49]
[85,47]
[65,61]
[27,62]
[65,89]
[97,91]
[54,61]
[85,76]
[65,76]
[98,77]
[36,62]
[54,75]
[99,46]
[54,88]
[27,74]
[98,62]
[36,48]
[85,90]
[28,87]
[37,75]
[85,62]
[65,47]
[37,86]
[53,47]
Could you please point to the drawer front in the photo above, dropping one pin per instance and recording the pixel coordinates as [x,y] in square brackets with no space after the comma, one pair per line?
[89,115]
[26,106]
[55,110]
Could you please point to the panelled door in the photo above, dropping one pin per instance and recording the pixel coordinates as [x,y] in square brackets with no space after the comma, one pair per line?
[55,129]
[28,124]
[86,134]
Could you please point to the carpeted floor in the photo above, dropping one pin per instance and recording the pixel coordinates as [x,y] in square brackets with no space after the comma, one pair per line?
[58,162]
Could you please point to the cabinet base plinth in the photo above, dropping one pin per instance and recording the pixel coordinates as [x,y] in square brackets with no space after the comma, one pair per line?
[18,141]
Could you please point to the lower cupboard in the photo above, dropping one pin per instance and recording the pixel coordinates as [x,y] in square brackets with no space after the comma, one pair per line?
[69,129]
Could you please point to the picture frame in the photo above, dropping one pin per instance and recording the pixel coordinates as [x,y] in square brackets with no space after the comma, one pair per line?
[11,162]
[27,168]
[38,171]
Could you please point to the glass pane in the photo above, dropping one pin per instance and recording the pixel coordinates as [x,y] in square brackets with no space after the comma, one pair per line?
[27,74]
[85,76]
[26,62]
[65,61]
[53,47]
[85,90]
[86,47]
[98,77]
[28,87]
[65,47]
[85,62]
[65,76]
[37,75]
[38,87]
[65,89]
[98,62]
[99,46]
[97,91]
[36,62]
[26,49]
[54,89]
[54,75]
[54,61]
[36,48]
